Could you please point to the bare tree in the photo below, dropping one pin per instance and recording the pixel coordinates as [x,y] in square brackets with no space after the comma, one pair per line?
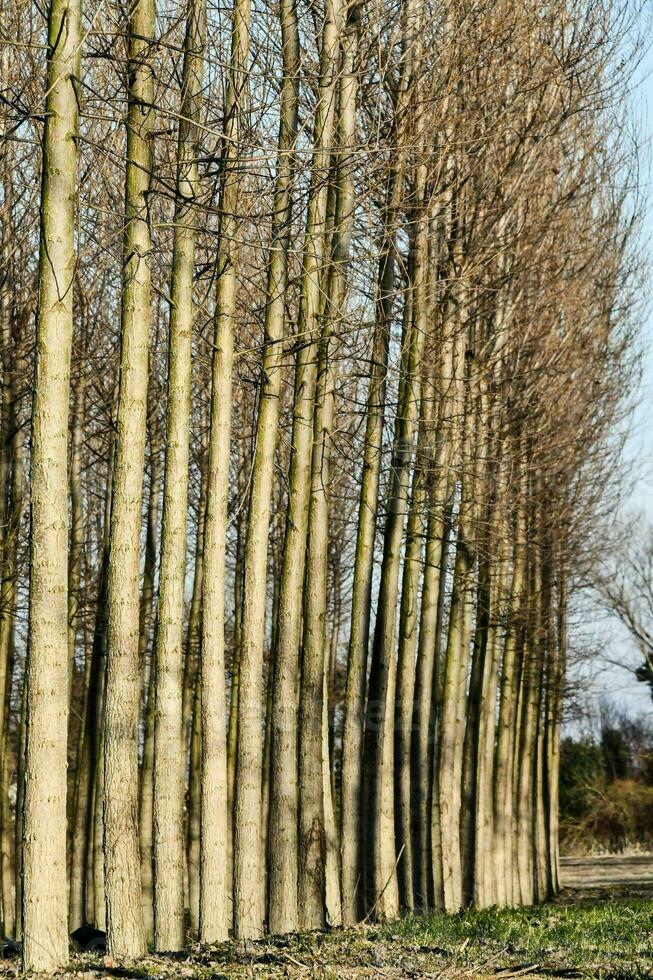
[625,587]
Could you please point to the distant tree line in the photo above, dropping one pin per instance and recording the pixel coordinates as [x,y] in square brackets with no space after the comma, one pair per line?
[606,786]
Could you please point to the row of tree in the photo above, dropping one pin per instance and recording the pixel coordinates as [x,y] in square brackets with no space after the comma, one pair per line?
[332,328]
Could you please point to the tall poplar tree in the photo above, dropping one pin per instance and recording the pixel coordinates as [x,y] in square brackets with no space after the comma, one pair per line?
[169,754]
[122,874]
[284,818]
[282,900]
[45,892]
[248,894]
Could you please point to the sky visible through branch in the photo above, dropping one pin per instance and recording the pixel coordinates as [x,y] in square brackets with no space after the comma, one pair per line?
[599,632]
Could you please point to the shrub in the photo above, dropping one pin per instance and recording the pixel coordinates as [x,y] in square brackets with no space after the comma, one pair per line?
[618,816]
[582,769]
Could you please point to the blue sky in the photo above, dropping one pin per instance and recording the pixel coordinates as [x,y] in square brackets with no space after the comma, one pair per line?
[596,631]
[640,447]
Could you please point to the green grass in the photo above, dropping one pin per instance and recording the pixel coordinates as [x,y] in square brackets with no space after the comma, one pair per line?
[611,940]
[602,940]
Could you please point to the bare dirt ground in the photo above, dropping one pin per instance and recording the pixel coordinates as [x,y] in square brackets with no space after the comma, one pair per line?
[591,878]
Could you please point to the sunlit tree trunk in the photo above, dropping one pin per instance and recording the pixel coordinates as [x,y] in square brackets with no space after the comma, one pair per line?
[232,719]
[352,751]
[480,654]
[407,653]
[383,893]
[77,530]
[283,815]
[248,897]
[20,813]
[424,732]
[504,768]
[193,831]
[485,893]
[436,879]
[526,758]
[453,705]
[420,284]
[122,884]
[7,552]
[352,834]
[316,847]
[8,599]
[282,891]
[169,749]
[45,891]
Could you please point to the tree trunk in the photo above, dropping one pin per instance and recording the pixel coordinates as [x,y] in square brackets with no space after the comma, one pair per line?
[194,807]
[483,481]
[352,835]
[45,891]
[193,630]
[452,714]
[555,694]
[406,659]
[169,750]
[89,755]
[283,842]
[485,894]
[192,711]
[76,503]
[13,438]
[122,872]
[526,758]
[248,899]
[282,889]
[504,768]
[147,660]
[20,812]
[383,892]
[424,731]
[315,850]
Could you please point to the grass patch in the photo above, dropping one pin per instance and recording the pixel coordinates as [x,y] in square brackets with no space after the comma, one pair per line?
[610,940]
[605,940]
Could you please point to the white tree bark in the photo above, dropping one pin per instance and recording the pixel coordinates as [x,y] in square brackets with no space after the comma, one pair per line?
[45,893]
[169,749]
[122,873]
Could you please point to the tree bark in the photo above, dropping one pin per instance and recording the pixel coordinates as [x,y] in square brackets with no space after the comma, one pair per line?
[423,741]
[282,889]
[383,892]
[45,892]
[504,767]
[147,661]
[315,803]
[248,898]
[283,842]
[122,872]
[169,749]
[351,834]
[81,885]
[452,714]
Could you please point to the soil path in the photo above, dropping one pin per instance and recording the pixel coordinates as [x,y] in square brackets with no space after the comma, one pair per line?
[613,876]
